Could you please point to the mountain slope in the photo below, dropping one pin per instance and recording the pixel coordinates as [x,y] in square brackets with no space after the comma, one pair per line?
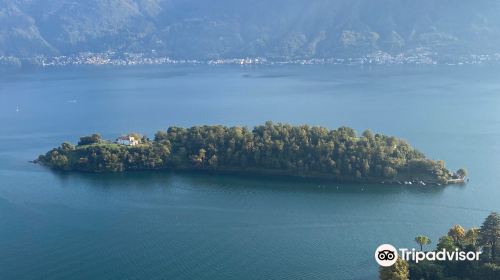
[236,28]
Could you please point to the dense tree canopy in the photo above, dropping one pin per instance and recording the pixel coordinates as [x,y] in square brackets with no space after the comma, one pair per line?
[271,148]
[398,271]
[489,235]
[485,239]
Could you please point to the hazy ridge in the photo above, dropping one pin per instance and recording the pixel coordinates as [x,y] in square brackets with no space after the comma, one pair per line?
[235,28]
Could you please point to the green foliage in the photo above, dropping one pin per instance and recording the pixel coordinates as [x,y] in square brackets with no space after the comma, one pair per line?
[472,240]
[426,270]
[274,148]
[422,241]
[489,235]
[398,271]
[67,147]
[457,233]
[471,236]
[446,242]
[489,271]
[89,140]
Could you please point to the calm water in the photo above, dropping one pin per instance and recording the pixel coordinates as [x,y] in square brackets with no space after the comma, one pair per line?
[192,226]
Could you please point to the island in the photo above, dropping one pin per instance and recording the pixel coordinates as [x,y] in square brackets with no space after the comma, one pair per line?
[269,149]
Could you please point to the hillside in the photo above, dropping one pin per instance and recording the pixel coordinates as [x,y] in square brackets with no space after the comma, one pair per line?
[236,28]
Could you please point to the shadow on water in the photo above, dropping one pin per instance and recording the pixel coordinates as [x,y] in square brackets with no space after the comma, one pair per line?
[149,180]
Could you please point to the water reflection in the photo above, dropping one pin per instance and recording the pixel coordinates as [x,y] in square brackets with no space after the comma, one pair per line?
[144,180]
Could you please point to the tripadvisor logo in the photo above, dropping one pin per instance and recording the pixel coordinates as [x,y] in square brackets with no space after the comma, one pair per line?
[387,255]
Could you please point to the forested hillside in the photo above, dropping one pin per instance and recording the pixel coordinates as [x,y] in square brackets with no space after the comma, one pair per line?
[237,28]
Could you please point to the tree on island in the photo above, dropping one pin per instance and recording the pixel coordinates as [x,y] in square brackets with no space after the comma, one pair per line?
[462,172]
[199,159]
[398,271]
[67,147]
[89,140]
[422,240]
[457,233]
[489,235]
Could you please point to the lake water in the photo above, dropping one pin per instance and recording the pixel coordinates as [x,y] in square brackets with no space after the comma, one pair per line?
[198,226]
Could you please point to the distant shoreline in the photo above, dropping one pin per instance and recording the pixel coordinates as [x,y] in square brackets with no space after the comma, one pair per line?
[138,59]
